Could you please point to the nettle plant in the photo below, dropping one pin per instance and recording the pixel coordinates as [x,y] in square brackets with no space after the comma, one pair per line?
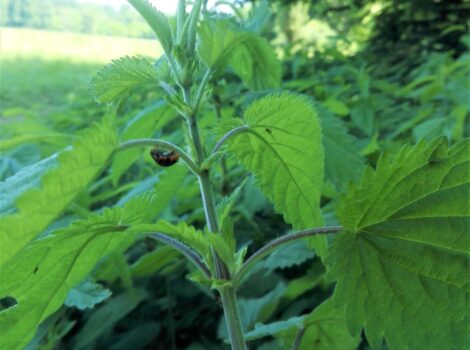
[399,261]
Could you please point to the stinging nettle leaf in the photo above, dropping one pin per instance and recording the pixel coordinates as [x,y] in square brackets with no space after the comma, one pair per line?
[343,161]
[406,249]
[41,275]
[86,295]
[255,62]
[157,21]
[121,76]
[216,40]
[282,146]
[324,329]
[36,208]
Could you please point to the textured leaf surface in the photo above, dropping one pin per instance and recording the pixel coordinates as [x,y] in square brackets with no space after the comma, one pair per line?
[41,275]
[325,329]
[283,148]
[255,62]
[405,252]
[343,159]
[157,21]
[216,41]
[121,76]
[38,207]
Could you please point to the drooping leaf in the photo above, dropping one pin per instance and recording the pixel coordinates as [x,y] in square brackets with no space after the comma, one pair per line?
[406,248]
[36,208]
[324,329]
[41,275]
[255,62]
[157,21]
[283,148]
[121,76]
[86,295]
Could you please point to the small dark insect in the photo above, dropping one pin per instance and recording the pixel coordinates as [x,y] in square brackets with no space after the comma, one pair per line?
[164,158]
[268,130]
[36,269]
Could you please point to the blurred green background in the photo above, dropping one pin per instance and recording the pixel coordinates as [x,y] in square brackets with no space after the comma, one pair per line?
[385,72]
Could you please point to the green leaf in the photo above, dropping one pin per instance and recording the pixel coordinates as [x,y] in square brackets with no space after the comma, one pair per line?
[41,275]
[266,330]
[183,232]
[86,295]
[255,62]
[289,255]
[107,315]
[27,178]
[138,337]
[121,76]
[337,107]
[325,329]
[282,146]
[216,40]
[157,21]
[343,159]
[36,208]
[154,261]
[405,251]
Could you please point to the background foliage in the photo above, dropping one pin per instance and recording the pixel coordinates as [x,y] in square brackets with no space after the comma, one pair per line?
[382,73]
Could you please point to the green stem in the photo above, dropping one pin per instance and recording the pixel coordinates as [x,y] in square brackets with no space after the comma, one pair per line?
[232,317]
[298,339]
[227,293]
[228,135]
[200,90]
[277,243]
[192,25]
[180,17]
[205,186]
[190,254]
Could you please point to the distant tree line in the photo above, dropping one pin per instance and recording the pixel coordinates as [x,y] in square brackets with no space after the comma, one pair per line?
[72,16]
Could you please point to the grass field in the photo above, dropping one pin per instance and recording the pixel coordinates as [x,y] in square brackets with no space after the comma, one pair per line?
[47,72]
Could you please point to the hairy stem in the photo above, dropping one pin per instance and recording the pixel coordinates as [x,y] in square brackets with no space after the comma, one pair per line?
[227,293]
[228,135]
[205,186]
[190,254]
[298,339]
[232,316]
[200,90]
[277,243]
